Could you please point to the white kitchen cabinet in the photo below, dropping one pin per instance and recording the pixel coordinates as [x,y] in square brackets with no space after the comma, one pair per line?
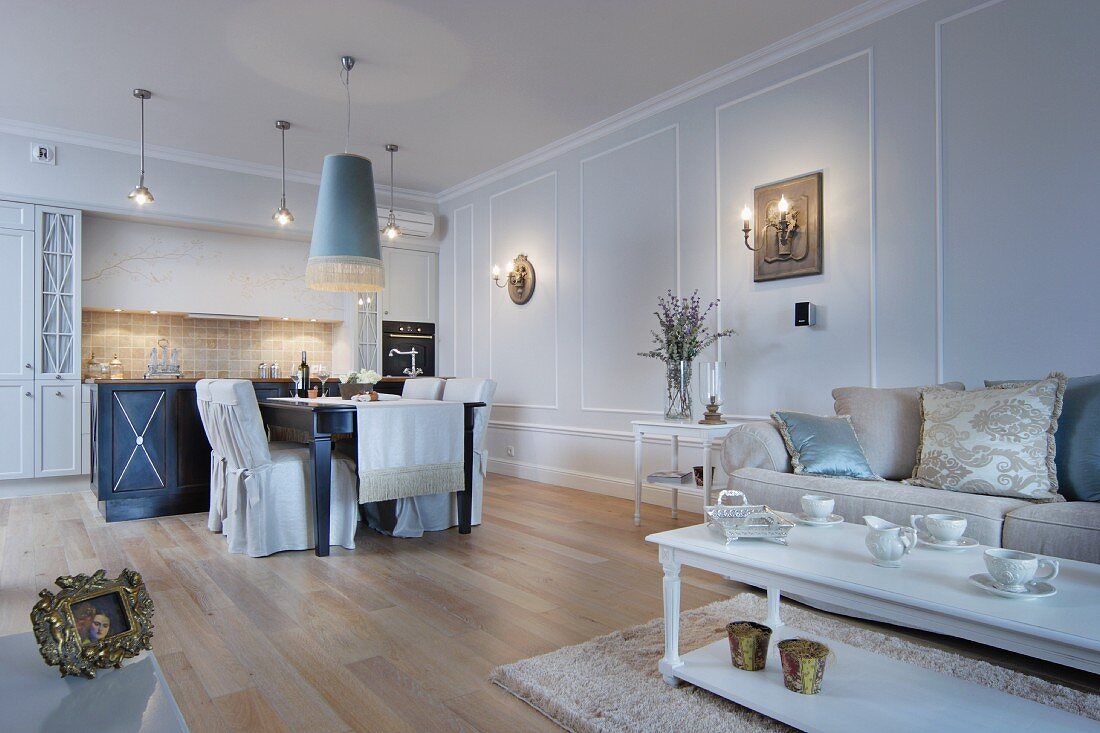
[412,286]
[57,428]
[16,429]
[57,293]
[40,396]
[17,304]
[16,215]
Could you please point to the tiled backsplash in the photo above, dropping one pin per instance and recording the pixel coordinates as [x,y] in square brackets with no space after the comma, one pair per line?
[208,348]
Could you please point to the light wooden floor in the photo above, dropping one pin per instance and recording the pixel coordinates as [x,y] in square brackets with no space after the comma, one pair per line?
[397,635]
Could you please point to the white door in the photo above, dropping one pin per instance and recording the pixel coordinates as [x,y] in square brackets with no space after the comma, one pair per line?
[57,293]
[17,304]
[16,429]
[411,285]
[57,428]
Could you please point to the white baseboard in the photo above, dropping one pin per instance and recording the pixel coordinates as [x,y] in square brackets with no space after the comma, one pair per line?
[690,497]
[13,488]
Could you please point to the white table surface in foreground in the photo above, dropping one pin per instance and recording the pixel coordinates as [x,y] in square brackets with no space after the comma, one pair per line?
[34,697]
[676,429]
[929,591]
[863,690]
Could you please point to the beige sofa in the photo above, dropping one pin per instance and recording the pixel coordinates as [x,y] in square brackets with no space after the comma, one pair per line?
[754,456]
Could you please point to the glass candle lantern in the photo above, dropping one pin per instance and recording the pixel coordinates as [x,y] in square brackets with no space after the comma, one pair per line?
[710,391]
[115,367]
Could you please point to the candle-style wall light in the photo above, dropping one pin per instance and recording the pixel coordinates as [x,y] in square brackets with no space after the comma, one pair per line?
[787,241]
[520,279]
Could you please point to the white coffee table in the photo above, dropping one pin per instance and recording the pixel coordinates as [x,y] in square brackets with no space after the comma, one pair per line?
[868,691]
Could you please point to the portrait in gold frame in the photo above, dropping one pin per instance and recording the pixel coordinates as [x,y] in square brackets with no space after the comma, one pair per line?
[93,622]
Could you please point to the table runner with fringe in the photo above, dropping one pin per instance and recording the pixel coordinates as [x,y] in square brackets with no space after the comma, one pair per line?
[409,448]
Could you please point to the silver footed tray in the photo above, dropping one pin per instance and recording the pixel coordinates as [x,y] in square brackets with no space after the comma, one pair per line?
[746,521]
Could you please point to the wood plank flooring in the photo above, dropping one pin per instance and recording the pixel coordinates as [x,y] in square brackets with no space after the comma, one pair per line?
[397,635]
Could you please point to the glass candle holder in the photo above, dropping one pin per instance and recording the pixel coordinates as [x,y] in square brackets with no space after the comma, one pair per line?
[710,391]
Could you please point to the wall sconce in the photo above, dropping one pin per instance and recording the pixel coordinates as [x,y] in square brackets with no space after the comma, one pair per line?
[520,279]
[784,221]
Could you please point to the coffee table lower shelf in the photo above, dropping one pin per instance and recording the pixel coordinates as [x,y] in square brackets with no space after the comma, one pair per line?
[867,691]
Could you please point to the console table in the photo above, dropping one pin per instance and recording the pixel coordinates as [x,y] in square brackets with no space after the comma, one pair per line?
[929,591]
[675,429]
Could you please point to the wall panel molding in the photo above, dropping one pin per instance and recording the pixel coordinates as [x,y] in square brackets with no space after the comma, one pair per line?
[938,81]
[557,279]
[872,307]
[583,244]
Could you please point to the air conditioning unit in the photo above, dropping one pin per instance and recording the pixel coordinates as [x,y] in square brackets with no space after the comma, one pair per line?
[415,224]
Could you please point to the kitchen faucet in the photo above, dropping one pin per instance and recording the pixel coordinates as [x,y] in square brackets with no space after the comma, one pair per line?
[410,371]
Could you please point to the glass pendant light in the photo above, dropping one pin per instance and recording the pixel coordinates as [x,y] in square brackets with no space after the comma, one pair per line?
[282,215]
[345,253]
[142,195]
[392,231]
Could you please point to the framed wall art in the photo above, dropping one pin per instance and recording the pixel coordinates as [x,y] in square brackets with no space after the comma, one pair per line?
[788,228]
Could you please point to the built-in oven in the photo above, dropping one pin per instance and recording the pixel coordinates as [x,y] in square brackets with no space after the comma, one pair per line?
[408,346]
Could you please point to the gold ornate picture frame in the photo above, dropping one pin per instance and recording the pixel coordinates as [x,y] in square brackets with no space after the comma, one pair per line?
[93,622]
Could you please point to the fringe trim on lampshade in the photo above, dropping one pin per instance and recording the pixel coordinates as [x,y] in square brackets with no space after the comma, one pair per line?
[345,274]
[382,484]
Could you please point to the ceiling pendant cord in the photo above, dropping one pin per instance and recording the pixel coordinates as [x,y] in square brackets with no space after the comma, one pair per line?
[141,174]
[392,231]
[282,215]
[347,62]
[140,194]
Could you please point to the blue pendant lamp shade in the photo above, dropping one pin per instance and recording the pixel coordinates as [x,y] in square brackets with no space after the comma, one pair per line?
[345,253]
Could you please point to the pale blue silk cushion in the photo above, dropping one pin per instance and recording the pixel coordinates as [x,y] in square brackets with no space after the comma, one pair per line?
[823,446]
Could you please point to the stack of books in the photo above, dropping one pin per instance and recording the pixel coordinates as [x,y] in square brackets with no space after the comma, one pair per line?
[670,477]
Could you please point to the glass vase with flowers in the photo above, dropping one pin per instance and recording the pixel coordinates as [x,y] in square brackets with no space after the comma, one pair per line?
[682,336]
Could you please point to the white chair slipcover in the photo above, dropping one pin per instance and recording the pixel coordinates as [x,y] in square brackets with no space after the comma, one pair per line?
[423,388]
[259,491]
[434,512]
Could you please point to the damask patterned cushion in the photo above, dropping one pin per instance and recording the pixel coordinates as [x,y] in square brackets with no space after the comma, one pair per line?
[998,442]
[823,446]
[1078,438]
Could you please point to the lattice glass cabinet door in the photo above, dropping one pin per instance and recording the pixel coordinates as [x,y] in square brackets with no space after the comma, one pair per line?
[57,293]
[369,342]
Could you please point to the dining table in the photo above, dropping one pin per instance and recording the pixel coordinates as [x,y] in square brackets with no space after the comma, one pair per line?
[321,419]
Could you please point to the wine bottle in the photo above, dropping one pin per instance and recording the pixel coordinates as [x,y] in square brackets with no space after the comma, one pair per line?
[303,371]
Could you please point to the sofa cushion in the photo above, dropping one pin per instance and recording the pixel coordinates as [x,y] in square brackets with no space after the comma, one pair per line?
[823,446]
[890,500]
[1067,529]
[1077,439]
[998,442]
[887,423]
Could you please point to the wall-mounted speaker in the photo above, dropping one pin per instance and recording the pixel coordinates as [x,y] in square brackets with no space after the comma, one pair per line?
[805,314]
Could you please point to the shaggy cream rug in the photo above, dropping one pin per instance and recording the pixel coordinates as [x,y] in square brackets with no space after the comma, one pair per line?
[611,683]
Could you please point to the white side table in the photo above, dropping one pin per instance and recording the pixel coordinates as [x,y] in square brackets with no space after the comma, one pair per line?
[676,429]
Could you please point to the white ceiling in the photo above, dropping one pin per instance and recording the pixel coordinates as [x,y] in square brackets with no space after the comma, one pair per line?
[461,86]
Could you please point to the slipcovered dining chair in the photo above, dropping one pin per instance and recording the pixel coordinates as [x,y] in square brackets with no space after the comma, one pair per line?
[434,512]
[423,388]
[263,503]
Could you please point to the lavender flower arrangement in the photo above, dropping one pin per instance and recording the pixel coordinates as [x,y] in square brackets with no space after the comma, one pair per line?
[683,336]
[684,333]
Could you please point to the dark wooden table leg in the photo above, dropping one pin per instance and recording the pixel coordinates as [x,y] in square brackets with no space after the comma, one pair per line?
[320,459]
[466,496]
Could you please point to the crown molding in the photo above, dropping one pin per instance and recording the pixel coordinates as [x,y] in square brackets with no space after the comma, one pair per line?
[825,31]
[187,157]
